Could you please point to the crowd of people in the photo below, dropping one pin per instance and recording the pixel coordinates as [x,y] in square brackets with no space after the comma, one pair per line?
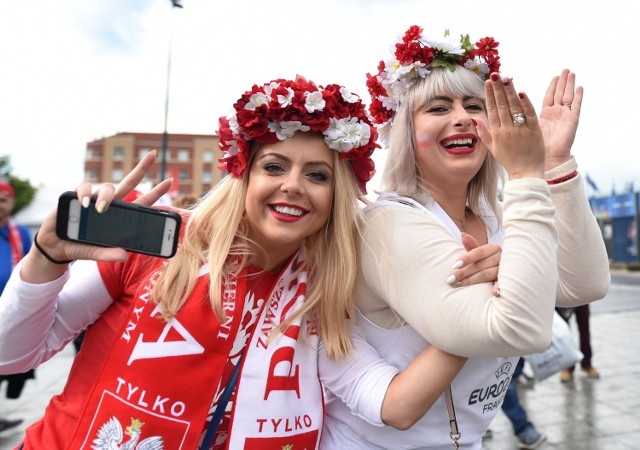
[292,316]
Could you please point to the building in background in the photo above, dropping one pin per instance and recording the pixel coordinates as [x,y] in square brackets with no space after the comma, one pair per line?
[192,159]
[617,216]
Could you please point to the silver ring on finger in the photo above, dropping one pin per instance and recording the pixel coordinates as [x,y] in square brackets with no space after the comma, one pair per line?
[519,119]
[568,105]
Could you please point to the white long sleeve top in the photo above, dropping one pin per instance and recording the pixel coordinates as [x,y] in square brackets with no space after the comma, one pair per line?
[406,255]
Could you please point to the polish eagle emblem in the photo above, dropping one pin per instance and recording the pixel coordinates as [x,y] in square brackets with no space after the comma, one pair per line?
[110,436]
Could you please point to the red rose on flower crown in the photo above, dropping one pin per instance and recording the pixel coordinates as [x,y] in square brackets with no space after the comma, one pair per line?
[414,57]
[277,110]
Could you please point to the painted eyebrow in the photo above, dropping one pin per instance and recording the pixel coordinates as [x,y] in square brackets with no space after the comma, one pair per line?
[450,100]
[443,98]
[307,164]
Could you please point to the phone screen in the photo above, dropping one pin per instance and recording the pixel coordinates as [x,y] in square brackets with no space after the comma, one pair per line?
[123,228]
[149,231]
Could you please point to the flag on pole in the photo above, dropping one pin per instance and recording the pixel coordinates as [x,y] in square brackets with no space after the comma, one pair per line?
[592,183]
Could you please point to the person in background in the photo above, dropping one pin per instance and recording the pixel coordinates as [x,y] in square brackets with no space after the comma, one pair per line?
[15,242]
[582,314]
[527,434]
[185,201]
[448,118]
[15,239]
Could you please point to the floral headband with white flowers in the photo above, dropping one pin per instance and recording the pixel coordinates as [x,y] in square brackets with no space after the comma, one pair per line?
[415,56]
[277,110]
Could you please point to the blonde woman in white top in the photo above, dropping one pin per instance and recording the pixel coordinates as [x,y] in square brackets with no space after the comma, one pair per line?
[449,121]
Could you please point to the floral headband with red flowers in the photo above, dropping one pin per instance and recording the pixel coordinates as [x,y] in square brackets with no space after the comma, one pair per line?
[414,57]
[277,110]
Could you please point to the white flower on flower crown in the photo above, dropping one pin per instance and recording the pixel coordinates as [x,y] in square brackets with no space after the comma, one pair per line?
[233,148]
[256,100]
[285,101]
[399,78]
[286,129]
[450,45]
[477,65]
[268,89]
[346,134]
[314,101]
[389,103]
[394,70]
[348,95]
[233,124]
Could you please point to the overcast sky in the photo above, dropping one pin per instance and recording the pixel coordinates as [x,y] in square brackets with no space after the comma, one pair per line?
[75,71]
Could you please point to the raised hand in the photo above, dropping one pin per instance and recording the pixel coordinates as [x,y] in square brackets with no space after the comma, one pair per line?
[559,117]
[514,135]
[38,269]
[108,192]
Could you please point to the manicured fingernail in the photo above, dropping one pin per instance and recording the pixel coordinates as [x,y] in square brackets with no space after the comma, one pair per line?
[521,95]
[473,121]
[85,202]
[506,81]
[451,279]
[458,264]
[457,284]
[100,206]
[498,293]
[495,77]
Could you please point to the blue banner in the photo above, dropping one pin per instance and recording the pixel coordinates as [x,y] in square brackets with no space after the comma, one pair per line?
[614,206]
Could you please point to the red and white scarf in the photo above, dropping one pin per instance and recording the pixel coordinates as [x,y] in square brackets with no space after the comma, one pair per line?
[280,407]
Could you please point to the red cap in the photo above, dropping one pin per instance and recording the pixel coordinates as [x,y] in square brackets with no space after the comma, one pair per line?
[5,188]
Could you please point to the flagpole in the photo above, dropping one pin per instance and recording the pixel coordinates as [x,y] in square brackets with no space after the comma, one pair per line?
[165,134]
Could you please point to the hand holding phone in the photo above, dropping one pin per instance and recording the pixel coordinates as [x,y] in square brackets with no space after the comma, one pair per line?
[136,228]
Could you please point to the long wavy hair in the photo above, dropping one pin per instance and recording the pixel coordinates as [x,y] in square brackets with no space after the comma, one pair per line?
[401,173]
[217,229]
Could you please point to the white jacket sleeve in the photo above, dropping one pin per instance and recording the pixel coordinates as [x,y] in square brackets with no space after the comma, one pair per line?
[583,264]
[407,255]
[38,320]
[360,379]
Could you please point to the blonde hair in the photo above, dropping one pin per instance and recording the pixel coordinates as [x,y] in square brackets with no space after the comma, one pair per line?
[217,230]
[401,174]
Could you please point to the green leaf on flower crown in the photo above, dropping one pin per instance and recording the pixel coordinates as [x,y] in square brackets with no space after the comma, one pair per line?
[451,65]
[465,42]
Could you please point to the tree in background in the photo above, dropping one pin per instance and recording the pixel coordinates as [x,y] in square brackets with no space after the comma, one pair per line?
[24,190]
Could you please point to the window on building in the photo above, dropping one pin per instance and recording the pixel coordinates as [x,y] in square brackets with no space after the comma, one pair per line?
[91,176]
[183,155]
[118,154]
[116,175]
[183,175]
[93,154]
[207,176]
[207,155]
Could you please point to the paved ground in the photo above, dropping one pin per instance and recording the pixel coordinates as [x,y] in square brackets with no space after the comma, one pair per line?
[582,415]
[588,414]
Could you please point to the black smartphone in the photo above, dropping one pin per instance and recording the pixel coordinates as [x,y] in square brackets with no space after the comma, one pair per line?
[133,227]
